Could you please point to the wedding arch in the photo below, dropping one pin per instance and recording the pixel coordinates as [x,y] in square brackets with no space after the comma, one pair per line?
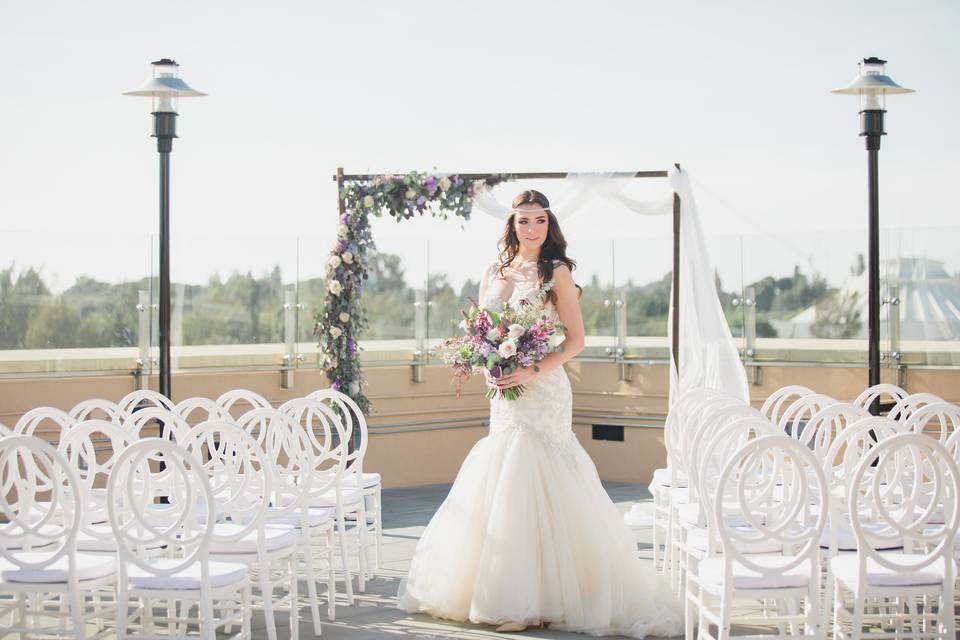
[702,351]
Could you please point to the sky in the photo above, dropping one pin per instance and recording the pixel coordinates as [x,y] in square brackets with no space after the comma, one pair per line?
[736,92]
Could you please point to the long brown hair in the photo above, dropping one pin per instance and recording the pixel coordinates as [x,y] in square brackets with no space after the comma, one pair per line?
[553,249]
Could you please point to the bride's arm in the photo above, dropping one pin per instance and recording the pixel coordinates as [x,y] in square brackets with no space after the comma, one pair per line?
[568,308]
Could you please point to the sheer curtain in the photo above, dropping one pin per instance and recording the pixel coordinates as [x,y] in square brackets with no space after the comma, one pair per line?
[708,354]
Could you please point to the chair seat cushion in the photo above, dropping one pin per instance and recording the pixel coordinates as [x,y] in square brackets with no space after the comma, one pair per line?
[846,569]
[89,567]
[697,539]
[846,541]
[690,515]
[348,497]
[222,574]
[100,537]
[712,577]
[316,516]
[276,536]
[661,478]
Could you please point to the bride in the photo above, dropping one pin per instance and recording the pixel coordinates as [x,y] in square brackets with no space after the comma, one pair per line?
[527,534]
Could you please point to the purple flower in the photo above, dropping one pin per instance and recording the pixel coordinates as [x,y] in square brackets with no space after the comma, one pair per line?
[431,185]
[457,181]
[352,346]
[421,201]
[335,386]
[496,371]
[485,348]
[344,219]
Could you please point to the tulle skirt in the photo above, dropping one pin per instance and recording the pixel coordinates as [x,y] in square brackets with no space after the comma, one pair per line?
[527,533]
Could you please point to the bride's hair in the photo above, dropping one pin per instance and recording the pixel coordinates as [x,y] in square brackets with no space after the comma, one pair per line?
[554,247]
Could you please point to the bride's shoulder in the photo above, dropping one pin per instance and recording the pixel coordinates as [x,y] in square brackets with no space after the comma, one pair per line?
[560,265]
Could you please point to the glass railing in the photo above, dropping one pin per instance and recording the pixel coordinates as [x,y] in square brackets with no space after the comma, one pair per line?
[83,303]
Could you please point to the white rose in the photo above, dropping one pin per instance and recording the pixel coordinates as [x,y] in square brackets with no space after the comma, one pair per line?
[334,261]
[557,339]
[336,332]
[507,349]
[344,316]
[334,287]
[444,183]
[478,186]
[343,230]
[354,388]
[348,257]
[515,331]
[410,194]
[493,335]
[368,202]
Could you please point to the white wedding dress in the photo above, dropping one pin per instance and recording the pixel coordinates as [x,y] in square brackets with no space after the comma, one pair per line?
[527,532]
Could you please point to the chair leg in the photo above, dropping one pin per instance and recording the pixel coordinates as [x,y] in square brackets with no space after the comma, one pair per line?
[246,613]
[266,593]
[77,611]
[856,622]
[331,577]
[147,616]
[294,599]
[344,558]
[308,567]
[378,521]
[207,623]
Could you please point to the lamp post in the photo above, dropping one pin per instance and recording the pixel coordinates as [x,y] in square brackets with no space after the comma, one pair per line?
[872,84]
[165,88]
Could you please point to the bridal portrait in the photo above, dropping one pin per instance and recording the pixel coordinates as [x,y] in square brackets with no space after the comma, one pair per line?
[436,320]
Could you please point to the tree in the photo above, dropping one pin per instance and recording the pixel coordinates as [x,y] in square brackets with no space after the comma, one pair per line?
[838,316]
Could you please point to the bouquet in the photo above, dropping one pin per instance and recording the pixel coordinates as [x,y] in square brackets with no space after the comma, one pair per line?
[501,342]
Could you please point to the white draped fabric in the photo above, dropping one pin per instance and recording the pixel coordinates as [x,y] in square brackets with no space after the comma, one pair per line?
[708,355]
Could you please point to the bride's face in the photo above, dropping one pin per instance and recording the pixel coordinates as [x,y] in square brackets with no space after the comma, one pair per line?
[530,224]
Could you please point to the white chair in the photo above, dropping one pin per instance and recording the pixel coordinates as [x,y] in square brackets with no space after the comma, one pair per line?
[38,556]
[355,427]
[316,418]
[825,426]
[701,540]
[141,398]
[244,399]
[884,587]
[903,409]
[782,397]
[186,575]
[877,391]
[156,422]
[205,407]
[794,418]
[297,455]
[939,420]
[242,479]
[45,422]
[98,409]
[779,485]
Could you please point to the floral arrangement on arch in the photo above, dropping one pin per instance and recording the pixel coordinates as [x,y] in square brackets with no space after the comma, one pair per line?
[342,318]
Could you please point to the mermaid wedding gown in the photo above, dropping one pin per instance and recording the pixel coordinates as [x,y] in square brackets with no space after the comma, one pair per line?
[527,532]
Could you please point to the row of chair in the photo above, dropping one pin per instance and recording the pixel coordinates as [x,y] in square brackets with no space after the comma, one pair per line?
[205,505]
[869,503]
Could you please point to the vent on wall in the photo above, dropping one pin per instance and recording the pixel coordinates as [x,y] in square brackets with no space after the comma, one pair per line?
[608,432]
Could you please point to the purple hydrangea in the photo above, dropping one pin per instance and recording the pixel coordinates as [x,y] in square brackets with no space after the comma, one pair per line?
[431,185]
[335,386]
[352,346]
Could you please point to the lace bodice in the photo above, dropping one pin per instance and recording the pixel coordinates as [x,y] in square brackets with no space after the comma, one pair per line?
[518,280]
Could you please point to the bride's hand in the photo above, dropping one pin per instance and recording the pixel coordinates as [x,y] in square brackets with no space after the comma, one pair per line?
[521,376]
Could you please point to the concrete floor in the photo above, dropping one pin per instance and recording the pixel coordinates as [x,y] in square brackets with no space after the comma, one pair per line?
[406,512]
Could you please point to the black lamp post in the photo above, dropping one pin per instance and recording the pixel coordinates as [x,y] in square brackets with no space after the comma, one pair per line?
[873,85]
[165,88]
